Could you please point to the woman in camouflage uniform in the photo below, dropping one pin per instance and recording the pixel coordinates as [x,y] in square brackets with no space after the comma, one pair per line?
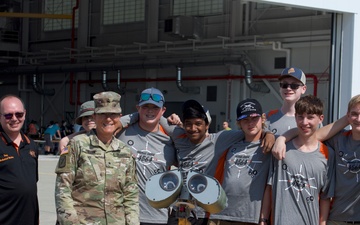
[96,182]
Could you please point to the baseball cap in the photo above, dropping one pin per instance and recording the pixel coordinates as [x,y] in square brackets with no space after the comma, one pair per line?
[295,73]
[248,107]
[198,107]
[152,96]
[86,109]
[107,102]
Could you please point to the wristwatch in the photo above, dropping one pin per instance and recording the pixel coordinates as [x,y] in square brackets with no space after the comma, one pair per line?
[264,220]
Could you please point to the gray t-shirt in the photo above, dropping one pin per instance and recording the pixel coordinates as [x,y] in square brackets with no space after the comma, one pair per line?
[278,123]
[154,153]
[346,202]
[198,157]
[245,174]
[298,181]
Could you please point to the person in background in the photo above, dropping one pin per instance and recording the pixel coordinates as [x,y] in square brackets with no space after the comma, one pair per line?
[96,181]
[64,129]
[151,147]
[33,130]
[243,172]
[226,125]
[292,86]
[302,183]
[85,119]
[77,127]
[18,166]
[52,131]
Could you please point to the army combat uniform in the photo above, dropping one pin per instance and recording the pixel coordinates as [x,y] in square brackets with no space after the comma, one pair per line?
[96,184]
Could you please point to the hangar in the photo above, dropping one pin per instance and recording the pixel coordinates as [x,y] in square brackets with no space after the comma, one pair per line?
[56,54]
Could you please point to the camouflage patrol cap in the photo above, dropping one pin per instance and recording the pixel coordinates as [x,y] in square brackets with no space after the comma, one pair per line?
[86,109]
[107,102]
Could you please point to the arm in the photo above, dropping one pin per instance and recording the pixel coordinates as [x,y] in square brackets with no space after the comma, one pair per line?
[65,140]
[331,129]
[324,210]
[266,206]
[129,119]
[268,140]
[58,134]
[66,213]
[169,129]
[322,134]
[131,195]
[279,148]
[174,119]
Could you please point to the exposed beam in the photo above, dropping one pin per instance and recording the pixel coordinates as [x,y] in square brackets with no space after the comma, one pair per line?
[35,15]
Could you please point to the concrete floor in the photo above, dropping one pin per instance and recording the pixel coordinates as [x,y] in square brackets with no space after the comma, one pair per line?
[46,186]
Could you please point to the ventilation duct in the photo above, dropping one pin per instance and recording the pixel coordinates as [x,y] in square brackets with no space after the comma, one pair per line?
[104,82]
[249,78]
[145,64]
[121,90]
[39,90]
[191,90]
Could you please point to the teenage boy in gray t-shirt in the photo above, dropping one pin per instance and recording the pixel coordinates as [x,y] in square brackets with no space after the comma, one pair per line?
[301,181]
[243,172]
[292,86]
[346,144]
[196,148]
[151,147]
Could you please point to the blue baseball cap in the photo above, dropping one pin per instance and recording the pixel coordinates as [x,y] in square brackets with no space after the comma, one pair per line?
[295,73]
[152,96]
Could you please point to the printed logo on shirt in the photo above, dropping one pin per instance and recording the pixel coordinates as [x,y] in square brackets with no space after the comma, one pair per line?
[350,165]
[145,156]
[299,183]
[190,163]
[32,153]
[242,160]
[5,157]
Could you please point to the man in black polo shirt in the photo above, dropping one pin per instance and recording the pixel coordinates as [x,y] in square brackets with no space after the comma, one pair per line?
[18,167]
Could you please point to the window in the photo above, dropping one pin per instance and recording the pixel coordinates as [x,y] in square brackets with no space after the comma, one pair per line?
[123,11]
[59,7]
[280,63]
[197,7]
[264,6]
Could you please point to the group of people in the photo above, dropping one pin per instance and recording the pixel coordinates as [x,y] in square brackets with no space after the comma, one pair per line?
[52,132]
[102,171]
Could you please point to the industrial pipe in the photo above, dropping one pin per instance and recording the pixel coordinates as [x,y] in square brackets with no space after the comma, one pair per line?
[72,75]
[192,90]
[39,90]
[225,77]
[104,83]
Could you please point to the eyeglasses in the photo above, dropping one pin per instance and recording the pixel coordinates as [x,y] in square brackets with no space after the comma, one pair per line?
[9,116]
[155,97]
[292,86]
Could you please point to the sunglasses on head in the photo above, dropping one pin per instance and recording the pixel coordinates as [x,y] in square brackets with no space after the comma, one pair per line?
[155,97]
[292,86]
[9,116]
